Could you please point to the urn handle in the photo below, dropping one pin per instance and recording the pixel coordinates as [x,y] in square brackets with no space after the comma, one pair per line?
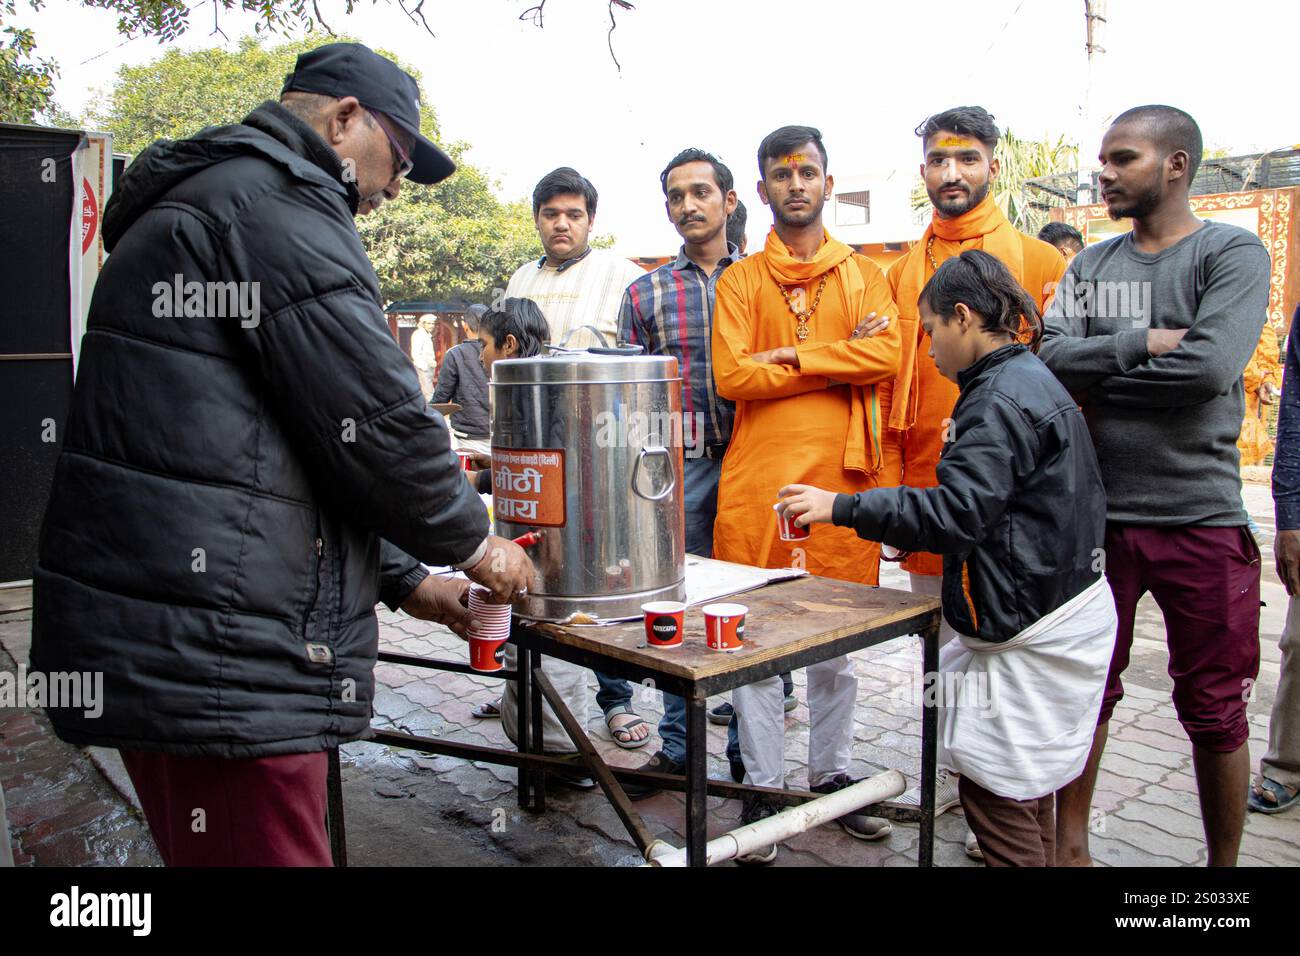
[645,453]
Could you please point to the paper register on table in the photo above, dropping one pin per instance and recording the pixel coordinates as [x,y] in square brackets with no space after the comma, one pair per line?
[707,580]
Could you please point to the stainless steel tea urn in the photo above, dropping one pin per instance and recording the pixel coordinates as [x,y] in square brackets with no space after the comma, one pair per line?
[587,451]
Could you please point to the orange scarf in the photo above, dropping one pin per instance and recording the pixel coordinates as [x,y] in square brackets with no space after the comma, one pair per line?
[983,227]
[835,257]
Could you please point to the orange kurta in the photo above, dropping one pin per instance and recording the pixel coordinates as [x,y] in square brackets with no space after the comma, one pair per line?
[819,424]
[1254,443]
[924,399]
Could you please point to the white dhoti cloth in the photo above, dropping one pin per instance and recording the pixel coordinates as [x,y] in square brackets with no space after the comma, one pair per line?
[1018,717]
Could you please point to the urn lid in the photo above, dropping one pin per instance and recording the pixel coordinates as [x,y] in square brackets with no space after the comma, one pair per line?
[582,367]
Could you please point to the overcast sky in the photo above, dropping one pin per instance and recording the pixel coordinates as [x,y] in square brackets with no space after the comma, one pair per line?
[720,75]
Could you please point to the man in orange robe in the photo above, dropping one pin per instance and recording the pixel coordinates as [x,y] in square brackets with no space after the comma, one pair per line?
[808,410]
[958,169]
[1263,384]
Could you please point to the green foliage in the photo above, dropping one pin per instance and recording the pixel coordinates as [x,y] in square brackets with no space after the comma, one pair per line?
[168,19]
[26,82]
[183,91]
[1020,160]
[55,115]
[455,238]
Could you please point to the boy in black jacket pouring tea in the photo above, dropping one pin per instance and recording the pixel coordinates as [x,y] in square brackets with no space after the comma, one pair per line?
[1019,516]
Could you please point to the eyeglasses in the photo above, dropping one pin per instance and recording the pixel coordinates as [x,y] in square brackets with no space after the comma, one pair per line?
[402,163]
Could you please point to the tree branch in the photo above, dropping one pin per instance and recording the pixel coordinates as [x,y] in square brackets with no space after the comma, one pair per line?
[613,25]
[534,14]
[320,18]
[417,11]
[216,21]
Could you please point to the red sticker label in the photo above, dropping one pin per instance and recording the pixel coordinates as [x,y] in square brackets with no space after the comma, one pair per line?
[528,486]
[89,216]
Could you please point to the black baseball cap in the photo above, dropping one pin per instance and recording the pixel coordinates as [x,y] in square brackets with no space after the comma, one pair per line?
[352,69]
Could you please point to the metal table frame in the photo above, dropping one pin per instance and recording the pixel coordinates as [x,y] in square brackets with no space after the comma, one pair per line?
[532,763]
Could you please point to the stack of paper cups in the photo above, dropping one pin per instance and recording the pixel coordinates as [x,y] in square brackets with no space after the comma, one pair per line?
[485,646]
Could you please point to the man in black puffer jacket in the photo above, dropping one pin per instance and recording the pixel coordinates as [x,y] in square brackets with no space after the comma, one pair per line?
[247,462]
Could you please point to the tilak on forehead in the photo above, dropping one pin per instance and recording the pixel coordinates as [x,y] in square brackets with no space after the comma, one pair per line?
[794,159]
[960,142]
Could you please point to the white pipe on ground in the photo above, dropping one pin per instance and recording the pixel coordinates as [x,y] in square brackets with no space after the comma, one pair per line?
[787,823]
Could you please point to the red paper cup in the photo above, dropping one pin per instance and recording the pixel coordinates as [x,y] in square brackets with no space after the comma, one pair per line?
[664,623]
[466,460]
[485,653]
[724,626]
[789,530]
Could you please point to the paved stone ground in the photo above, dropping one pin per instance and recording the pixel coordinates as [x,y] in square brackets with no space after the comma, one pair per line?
[1145,812]
[407,808]
[62,809]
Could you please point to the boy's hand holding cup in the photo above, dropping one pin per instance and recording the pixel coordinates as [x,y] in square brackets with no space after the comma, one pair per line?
[801,505]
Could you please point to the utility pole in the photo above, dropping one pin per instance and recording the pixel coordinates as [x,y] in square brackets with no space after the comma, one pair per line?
[1089,138]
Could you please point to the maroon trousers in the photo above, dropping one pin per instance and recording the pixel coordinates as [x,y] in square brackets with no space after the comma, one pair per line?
[213,811]
[1206,583]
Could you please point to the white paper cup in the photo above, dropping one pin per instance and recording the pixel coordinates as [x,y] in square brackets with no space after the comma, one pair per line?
[494,619]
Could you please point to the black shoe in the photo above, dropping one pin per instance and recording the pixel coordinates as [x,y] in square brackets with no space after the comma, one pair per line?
[737,769]
[721,714]
[754,808]
[855,824]
[659,763]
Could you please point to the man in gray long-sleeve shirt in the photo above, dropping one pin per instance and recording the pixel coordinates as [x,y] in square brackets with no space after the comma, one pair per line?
[1151,332]
[463,381]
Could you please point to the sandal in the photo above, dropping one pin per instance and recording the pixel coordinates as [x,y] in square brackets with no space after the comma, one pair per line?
[623,735]
[1269,796]
[487,711]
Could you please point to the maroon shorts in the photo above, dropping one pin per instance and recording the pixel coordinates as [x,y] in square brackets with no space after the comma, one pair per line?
[214,811]
[1206,582]
[1010,832]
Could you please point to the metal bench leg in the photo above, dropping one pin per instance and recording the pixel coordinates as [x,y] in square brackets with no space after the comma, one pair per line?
[523,724]
[538,776]
[697,777]
[929,742]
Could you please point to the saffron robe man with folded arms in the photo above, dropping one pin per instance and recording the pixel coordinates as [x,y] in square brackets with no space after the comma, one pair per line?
[808,401]
[808,404]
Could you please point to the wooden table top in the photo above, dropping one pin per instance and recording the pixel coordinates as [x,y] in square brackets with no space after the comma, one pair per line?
[785,617]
